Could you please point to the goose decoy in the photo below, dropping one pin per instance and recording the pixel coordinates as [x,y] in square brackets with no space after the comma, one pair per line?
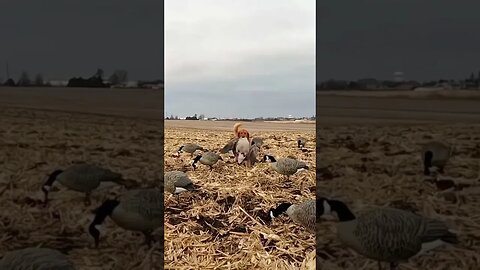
[135,210]
[301,141]
[208,158]
[387,234]
[435,154]
[190,148]
[176,182]
[35,259]
[82,178]
[286,166]
[303,214]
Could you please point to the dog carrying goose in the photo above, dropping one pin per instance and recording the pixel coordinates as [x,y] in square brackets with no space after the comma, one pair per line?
[303,213]
[136,210]
[286,166]
[82,178]
[387,234]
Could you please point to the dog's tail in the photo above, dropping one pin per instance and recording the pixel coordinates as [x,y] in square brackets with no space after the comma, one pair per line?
[236,127]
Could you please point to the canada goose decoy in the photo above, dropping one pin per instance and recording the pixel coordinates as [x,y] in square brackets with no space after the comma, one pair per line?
[82,178]
[387,234]
[435,154]
[208,158]
[303,214]
[301,141]
[286,166]
[241,149]
[176,182]
[190,148]
[135,210]
[35,259]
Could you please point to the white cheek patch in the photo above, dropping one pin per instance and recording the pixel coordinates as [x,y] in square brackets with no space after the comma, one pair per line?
[47,188]
[327,210]
[300,170]
[179,190]
[271,215]
[99,227]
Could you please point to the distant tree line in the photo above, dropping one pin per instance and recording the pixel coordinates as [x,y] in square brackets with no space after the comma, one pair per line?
[118,78]
[471,82]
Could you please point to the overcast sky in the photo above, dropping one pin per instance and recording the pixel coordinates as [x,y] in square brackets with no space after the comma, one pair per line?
[62,39]
[230,58]
[428,39]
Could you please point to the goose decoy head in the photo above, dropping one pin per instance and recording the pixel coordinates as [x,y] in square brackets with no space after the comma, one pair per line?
[48,185]
[101,213]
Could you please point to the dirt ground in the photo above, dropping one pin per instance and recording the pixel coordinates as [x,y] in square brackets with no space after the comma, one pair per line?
[371,157]
[39,136]
[224,224]
[389,107]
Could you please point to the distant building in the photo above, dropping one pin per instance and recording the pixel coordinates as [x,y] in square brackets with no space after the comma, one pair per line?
[131,84]
[57,83]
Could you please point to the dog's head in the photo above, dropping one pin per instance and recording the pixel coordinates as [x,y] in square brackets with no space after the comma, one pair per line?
[243,134]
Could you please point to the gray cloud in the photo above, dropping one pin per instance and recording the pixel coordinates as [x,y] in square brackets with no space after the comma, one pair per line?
[68,38]
[430,39]
[258,54]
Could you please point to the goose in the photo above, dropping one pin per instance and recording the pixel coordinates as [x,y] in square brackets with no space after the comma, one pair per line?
[82,178]
[435,154]
[190,148]
[387,234]
[286,166]
[35,258]
[208,158]
[135,210]
[303,213]
[301,141]
[241,149]
[176,182]
[252,154]
[257,141]
[230,146]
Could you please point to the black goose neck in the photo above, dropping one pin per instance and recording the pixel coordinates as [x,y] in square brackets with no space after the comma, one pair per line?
[344,214]
[53,177]
[104,210]
[272,158]
[280,209]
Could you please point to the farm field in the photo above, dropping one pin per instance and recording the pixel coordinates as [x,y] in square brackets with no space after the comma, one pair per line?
[370,156]
[224,224]
[57,130]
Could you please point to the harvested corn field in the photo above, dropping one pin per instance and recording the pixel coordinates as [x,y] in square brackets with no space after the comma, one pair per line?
[380,165]
[34,143]
[224,224]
